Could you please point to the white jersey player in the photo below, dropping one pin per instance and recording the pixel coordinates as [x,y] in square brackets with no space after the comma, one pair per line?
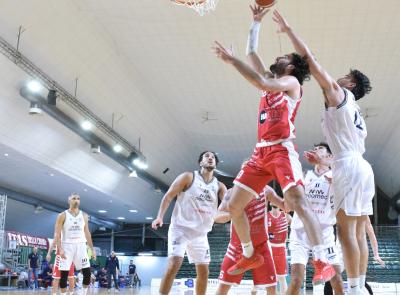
[196,205]
[72,236]
[318,191]
[345,132]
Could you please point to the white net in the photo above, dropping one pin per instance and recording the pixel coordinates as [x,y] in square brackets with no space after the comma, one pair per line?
[202,7]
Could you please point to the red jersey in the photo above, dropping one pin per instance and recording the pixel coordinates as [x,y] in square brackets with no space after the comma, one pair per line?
[276,115]
[255,211]
[277,229]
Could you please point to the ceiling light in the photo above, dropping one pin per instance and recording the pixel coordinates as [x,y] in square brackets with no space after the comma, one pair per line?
[5,155]
[121,218]
[86,125]
[34,86]
[133,211]
[145,254]
[133,174]
[85,189]
[117,148]
[51,174]
[141,163]
[120,253]
[38,209]
[149,218]
[102,211]
[35,109]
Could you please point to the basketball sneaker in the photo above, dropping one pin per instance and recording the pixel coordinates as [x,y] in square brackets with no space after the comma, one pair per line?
[244,264]
[323,272]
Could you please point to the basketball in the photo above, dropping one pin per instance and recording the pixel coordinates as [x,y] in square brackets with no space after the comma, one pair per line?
[265,3]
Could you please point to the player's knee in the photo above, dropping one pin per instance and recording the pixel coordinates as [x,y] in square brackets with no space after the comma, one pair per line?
[86,276]
[296,281]
[202,272]
[63,279]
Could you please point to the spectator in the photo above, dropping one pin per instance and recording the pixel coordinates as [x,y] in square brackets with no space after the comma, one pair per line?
[102,278]
[23,279]
[33,265]
[132,272]
[136,280]
[47,275]
[112,266]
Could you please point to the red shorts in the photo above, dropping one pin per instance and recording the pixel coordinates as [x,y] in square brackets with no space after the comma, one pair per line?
[278,162]
[263,276]
[279,256]
[57,272]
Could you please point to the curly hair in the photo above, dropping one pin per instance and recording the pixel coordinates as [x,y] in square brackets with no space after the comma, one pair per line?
[363,85]
[215,155]
[301,70]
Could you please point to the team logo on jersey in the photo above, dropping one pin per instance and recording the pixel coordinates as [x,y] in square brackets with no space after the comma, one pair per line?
[263,116]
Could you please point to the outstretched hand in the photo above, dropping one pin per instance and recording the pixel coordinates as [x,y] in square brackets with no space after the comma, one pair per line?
[312,157]
[223,53]
[283,26]
[258,12]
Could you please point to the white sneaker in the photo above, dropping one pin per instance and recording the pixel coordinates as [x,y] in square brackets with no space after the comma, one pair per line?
[117,291]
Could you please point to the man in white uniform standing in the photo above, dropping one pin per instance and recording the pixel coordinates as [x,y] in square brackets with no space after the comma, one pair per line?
[196,205]
[353,179]
[71,236]
[319,196]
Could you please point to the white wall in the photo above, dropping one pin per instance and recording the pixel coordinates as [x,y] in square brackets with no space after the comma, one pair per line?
[147,267]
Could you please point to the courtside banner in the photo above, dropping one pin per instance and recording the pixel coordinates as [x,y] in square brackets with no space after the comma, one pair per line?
[27,240]
[190,283]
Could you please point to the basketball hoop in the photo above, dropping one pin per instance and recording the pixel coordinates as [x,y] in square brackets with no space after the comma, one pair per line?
[200,6]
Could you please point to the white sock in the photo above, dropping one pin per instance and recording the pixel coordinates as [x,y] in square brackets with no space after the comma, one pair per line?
[63,293]
[353,287]
[248,249]
[320,253]
[362,281]
[84,290]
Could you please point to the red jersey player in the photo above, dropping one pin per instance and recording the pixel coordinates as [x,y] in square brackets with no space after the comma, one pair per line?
[278,223]
[275,155]
[264,277]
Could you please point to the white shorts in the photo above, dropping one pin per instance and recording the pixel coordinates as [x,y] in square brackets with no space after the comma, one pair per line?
[75,253]
[181,240]
[300,246]
[353,186]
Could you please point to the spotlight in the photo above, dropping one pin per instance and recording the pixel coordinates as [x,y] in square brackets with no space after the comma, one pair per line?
[52,97]
[141,163]
[35,109]
[133,174]
[34,86]
[86,125]
[38,209]
[117,148]
[95,148]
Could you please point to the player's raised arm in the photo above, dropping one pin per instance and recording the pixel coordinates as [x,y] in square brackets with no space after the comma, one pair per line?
[333,93]
[283,84]
[252,41]
[181,183]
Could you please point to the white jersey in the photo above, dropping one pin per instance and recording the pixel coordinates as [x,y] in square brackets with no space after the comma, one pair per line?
[344,127]
[319,194]
[196,207]
[73,230]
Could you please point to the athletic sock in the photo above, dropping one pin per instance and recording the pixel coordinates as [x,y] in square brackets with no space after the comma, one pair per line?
[248,249]
[362,281]
[319,252]
[84,290]
[353,286]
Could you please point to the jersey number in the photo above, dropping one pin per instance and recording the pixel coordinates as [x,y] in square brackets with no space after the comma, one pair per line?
[358,120]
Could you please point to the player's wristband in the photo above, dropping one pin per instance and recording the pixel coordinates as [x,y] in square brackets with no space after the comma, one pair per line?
[252,41]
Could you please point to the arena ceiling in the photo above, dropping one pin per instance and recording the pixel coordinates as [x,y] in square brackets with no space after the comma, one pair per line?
[149,63]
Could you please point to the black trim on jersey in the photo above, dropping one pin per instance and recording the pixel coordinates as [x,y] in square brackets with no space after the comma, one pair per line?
[344,100]
[185,190]
[207,183]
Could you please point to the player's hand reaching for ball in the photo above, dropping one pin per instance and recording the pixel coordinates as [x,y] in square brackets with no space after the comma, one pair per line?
[223,53]
[283,26]
[258,12]
[158,222]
